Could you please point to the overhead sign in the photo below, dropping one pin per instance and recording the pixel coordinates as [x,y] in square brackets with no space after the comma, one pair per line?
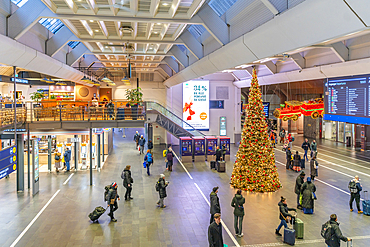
[8,161]
[195,100]
[19,80]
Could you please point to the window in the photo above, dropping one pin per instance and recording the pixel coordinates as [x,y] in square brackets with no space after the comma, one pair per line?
[73,44]
[196,30]
[221,6]
[19,3]
[53,25]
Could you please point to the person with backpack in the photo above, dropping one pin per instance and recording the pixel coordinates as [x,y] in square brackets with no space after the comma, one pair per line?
[355,188]
[305,146]
[308,196]
[331,232]
[215,203]
[127,182]
[142,144]
[284,215]
[57,161]
[160,187]
[313,148]
[149,160]
[111,199]
[282,135]
[169,158]
[136,138]
[150,145]
[67,158]
[298,186]
[237,203]
[215,232]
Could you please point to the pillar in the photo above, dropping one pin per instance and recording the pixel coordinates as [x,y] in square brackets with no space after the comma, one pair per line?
[49,153]
[103,146]
[90,142]
[20,163]
[76,152]
[98,155]
[28,158]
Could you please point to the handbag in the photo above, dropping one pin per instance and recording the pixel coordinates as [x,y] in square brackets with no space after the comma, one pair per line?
[144,164]
[300,199]
[131,180]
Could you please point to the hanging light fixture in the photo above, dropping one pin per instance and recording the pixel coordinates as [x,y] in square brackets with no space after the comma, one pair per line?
[106,79]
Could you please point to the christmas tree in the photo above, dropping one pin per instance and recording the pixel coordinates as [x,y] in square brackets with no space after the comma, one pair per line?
[254,168]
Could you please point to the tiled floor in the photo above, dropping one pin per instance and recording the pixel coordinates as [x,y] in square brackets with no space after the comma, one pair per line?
[185,220]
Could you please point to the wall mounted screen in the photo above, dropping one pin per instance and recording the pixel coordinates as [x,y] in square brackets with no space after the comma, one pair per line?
[195,100]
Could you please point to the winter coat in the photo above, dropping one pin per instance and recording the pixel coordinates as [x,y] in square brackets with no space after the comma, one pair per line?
[297,160]
[218,154]
[146,158]
[169,155]
[112,194]
[306,190]
[288,154]
[215,203]
[282,133]
[313,164]
[162,188]
[67,155]
[314,146]
[358,186]
[298,185]
[284,211]
[306,146]
[150,144]
[336,235]
[237,201]
[127,179]
[223,150]
[136,137]
[142,141]
[215,235]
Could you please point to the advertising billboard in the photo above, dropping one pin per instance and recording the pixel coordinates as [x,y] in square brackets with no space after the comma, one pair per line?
[8,161]
[195,100]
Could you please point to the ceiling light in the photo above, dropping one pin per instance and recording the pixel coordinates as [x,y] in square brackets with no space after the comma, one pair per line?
[165,4]
[106,46]
[155,32]
[159,23]
[91,20]
[96,30]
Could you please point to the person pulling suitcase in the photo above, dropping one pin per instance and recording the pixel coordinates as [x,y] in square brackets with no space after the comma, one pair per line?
[284,215]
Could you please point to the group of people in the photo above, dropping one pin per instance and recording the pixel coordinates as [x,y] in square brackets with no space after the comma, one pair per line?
[65,160]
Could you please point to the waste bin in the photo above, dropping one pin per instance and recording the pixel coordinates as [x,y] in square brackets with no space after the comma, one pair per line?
[348,141]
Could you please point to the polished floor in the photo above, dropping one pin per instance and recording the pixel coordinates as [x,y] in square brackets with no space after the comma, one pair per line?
[185,221]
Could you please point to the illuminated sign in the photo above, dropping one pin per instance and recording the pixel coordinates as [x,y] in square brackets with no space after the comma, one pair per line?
[19,80]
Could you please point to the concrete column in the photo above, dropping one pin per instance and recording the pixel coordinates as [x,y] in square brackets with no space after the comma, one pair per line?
[20,163]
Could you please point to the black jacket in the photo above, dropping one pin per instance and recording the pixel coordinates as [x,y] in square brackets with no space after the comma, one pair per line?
[223,150]
[237,204]
[127,179]
[112,194]
[298,184]
[215,203]
[215,235]
[288,154]
[306,146]
[136,137]
[336,235]
[150,144]
[218,154]
[162,188]
[284,211]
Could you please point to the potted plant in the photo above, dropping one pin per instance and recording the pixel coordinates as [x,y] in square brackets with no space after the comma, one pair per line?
[134,96]
[38,95]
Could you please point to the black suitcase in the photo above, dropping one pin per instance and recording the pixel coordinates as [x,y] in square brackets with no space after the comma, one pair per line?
[213,164]
[221,166]
[98,211]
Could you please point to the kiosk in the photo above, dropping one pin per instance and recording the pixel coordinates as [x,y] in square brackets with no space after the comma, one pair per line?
[84,156]
[225,140]
[211,143]
[199,152]
[186,149]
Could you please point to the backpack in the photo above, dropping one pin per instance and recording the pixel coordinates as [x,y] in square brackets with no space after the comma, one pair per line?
[150,159]
[293,139]
[326,231]
[157,186]
[241,208]
[107,188]
[57,157]
[169,156]
[164,153]
[352,187]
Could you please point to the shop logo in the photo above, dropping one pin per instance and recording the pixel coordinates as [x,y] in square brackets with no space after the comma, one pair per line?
[14,150]
[203,116]
[14,167]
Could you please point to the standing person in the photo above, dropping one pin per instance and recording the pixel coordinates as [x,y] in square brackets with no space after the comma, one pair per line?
[161,188]
[223,151]
[282,135]
[306,145]
[308,189]
[150,145]
[136,138]
[127,182]
[57,161]
[298,186]
[313,148]
[142,144]
[218,154]
[336,236]
[313,167]
[288,156]
[215,232]
[237,204]
[291,140]
[355,187]
[112,200]
[297,162]
[272,138]
[215,203]
[110,109]
[149,160]
[67,158]
[169,158]
[284,215]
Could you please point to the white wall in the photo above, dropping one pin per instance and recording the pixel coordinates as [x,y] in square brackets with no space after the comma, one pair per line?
[7,88]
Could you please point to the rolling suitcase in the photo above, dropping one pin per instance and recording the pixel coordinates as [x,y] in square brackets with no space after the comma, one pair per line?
[366,205]
[98,211]
[289,236]
[349,243]
[221,166]
[299,228]
[303,165]
[213,164]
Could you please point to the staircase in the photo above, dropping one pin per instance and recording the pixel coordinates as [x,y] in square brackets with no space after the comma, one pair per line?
[171,122]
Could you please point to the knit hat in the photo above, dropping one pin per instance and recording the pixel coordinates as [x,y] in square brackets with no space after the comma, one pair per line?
[114,184]
[215,189]
[303,174]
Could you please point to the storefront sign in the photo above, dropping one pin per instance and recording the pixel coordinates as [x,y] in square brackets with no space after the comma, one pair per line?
[196,104]
[19,80]
[74,139]
[9,79]
[8,161]
[222,126]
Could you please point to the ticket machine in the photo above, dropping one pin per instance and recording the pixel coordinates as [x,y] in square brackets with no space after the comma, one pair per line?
[199,150]
[84,156]
[186,149]
[225,140]
[211,143]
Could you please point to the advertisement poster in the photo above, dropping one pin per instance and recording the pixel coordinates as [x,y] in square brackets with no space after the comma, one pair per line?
[196,104]
[8,161]
[36,157]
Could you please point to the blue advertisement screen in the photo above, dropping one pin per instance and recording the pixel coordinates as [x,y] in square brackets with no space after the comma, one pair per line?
[8,161]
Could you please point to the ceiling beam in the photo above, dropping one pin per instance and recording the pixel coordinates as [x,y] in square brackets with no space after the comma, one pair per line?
[71,4]
[271,7]
[149,28]
[341,50]
[126,61]
[134,6]
[134,33]
[132,53]
[174,6]
[271,67]
[164,30]
[299,60]
[112,8]
[154,5]
[195,6]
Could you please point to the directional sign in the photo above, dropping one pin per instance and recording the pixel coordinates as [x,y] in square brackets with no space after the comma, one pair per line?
[8,161]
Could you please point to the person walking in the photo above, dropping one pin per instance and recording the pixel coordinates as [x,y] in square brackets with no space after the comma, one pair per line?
[288,156]
[306,145]
[272,138]
[237,203]
[282,135]
[215,203]
[291,140]
[112,200]
[218,154]
[215,232]
[161,188]
[57,161]
[150,145]
[297,162]
[142,144]
[313,168]
[169,158]
[284,215]
[355,187]
[308,196]
[223,151]
[127,182]
[336,233]
[298,186]
[67,158]
[313,148]
[149,161]
[136,138]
